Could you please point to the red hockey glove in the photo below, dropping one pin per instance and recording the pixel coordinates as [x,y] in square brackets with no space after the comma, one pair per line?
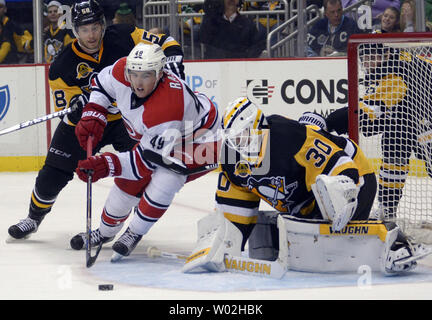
[93,122]
[105,165]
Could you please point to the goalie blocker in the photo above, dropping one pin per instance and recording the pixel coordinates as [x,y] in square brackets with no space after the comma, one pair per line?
[305,245]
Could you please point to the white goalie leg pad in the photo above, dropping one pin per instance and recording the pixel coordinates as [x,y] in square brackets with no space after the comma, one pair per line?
[315,246]
[337,198]
[258,267]
[217,237]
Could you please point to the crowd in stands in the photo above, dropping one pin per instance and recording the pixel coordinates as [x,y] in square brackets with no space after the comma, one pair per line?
[224,30]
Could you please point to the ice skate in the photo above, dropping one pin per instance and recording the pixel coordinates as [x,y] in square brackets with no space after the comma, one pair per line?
[23,229]
[78,242]
[125,245]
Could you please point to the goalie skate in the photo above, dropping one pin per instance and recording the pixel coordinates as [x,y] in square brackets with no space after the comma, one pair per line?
[405,258]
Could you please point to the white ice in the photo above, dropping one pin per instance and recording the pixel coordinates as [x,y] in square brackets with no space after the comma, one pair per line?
[45,267]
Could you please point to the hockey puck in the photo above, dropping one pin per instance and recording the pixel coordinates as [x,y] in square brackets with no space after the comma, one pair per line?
[106,287]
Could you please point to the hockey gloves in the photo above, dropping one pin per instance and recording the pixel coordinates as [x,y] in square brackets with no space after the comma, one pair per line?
[105,165]
[93,122]
[77,103]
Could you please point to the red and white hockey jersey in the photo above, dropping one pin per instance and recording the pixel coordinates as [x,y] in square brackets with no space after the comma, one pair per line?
[170,116]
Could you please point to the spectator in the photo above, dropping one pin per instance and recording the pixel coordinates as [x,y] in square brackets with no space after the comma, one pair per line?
[55,37]
[125,15]
[11,32]
[408,16]
[189,28]
[389,21]
[7,55]
[191,22]
[329,36]
[267,22]
[428,14]
[20,40]
[226,33]
[379,6]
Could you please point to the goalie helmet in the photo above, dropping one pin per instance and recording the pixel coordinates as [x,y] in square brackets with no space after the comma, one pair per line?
[244,129]
[146,57]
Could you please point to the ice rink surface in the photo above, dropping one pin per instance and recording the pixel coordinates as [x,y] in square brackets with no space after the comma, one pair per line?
[45,267]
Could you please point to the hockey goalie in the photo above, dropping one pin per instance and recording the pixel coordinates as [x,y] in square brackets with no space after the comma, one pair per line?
[321,187]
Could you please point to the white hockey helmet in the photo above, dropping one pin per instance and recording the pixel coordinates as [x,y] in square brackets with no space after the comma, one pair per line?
[244,126]
[146,57]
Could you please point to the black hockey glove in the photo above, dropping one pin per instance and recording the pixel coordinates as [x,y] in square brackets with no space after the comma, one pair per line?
[77,103]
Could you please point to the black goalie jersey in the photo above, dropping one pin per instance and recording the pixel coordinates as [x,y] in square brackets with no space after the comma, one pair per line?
[73,70]
[295,154]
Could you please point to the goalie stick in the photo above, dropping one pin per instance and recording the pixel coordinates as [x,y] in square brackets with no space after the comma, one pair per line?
[44,118]
[166,163]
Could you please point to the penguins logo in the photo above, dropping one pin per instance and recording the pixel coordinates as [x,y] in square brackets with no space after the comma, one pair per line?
[83,70]
[242,169]
[274,191]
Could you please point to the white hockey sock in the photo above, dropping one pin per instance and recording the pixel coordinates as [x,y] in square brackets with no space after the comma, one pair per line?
[117,209]
[140,223]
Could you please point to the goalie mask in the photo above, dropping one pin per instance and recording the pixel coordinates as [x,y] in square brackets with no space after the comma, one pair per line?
[145,62]
[245,129]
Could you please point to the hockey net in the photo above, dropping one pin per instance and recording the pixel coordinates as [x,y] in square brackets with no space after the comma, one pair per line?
[390,117]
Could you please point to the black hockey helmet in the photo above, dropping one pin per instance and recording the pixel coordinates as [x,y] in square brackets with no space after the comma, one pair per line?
[86,12]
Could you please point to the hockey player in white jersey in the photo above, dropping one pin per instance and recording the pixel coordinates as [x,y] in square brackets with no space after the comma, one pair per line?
[163,114]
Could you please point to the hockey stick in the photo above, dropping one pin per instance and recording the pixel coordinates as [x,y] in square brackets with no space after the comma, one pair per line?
[44,118]
[154,252]
[166,163]
[90,260]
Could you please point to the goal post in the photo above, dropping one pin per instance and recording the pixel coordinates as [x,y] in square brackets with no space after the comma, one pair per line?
[390,117]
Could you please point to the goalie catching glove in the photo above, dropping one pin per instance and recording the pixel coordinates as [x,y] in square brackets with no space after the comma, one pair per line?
[337,199]
[93,122]
[105,165]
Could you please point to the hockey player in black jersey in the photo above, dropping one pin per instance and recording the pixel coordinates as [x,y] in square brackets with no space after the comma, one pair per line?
[396,104]
[277,160]
[70,75]
[320,186]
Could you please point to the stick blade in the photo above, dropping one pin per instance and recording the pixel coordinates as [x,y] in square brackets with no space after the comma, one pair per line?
[90,260]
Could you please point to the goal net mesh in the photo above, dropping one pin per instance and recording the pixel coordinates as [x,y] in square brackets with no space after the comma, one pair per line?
[392,117]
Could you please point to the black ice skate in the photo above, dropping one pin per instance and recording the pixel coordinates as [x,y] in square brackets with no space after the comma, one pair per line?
[24,228]
[78,241]
[125,245]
